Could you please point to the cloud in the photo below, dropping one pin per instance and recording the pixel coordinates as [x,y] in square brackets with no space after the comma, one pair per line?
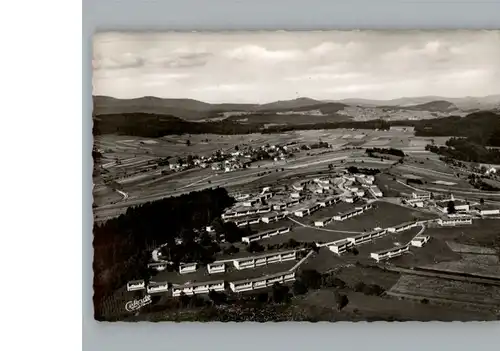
[264,67]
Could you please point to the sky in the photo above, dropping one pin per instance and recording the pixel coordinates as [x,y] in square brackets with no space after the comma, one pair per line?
[261,67]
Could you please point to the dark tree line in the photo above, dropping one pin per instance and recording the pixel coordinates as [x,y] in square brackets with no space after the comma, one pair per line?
[466,149]
[390,151]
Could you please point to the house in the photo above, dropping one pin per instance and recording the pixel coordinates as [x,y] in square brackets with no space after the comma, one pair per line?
[262,282]
[216,267]
[364,238]
[198,288]
[278,207]
[250,203]
[266,234]
[159,266]
[415,202]
[350,199]
[421,195]
[460,206]
[402,227]
[339,246]
[375,191]
[264,209]
[185,268]
[345,215]
[364,207]
[390,253]
[265,259]
[360,193]
[274,217]
[486,211]
[156,287]
[134,285]
[420,241]
[328,201]
[209,229]
[295,195]
[322,222]
[454,221]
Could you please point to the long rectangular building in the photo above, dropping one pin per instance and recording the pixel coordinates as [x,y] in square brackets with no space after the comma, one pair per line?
[265,235]
[389,253]
[198,288]
[262,260]
[262,282]
[345,215]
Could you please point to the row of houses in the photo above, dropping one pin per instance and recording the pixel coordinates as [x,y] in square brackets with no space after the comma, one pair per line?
[455,220]
[217,285]
[245,212]
[375,191]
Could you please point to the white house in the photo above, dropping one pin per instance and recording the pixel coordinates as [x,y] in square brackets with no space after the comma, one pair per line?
[295,195]
[262,282]
[322,222]
[265,235]
[185,268]
[136,285]
[209,229]
[421,195]
[198,288]
[402,227]
[216,267]
[375,191]
[345,215]
[339,246]
[261,260]
[420,241]
[159,266]
[250,203]
[328,201]
[454,221]
[156,287]
[459,206]
[273,217]
[482,211]
[390,253]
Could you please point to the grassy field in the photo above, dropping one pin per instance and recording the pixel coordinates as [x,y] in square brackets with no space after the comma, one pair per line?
[454,291]
[481,233]
[383,215]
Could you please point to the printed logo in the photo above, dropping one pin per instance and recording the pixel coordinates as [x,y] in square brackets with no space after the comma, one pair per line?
[137,304]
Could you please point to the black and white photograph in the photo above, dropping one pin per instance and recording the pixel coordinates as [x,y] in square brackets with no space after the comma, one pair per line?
[281,176]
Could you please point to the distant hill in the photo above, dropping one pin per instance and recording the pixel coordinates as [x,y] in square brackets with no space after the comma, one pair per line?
[289,104]
[466,103]
[432,106]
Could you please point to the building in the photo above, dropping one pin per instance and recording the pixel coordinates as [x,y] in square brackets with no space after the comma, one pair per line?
[262,260]
[262,282]
[420,241]
[134,285]
[375,191]
[415,202]
[402,227]
[209,229]
[487,211]
[339,246]
[360,193]
[274,217]
[364,207]
[405,129]
[350,199]
[453,221]
[364,238]
[421,195]
[322,222]
[265,235]
[278,207]
[345,215]
[198,288]
[185,268]
[295,195]
[250,203]
[460,206]
[156,287]
[306,211]
[390,253]
[264,209]
[159,266]
[216,267]
[328,201]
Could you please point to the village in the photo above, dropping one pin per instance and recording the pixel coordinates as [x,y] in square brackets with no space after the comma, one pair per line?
[314,211]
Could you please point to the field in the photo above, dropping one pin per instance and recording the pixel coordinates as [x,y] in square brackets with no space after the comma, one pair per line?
[447,290]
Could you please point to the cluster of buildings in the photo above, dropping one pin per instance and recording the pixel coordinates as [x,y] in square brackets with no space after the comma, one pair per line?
[418,241]
[221,266]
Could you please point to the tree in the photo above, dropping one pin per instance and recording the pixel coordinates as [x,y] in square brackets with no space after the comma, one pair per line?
[481,201]
[311,278]
[280,293]
[299,288]
[340,300]
[188,142]
[330,166]
[451,207]
[236,148]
